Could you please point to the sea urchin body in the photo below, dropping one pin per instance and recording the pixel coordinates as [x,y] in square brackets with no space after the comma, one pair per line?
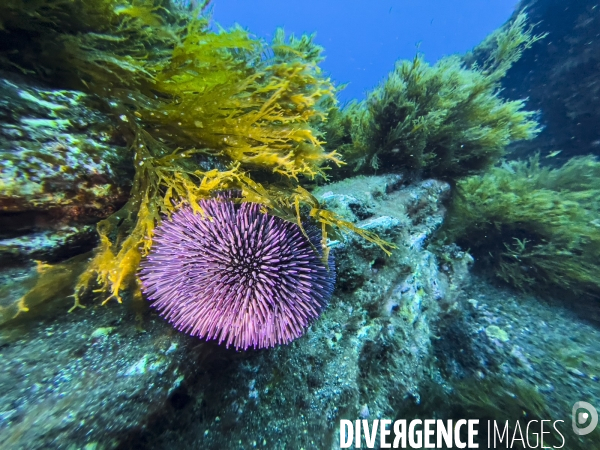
[237,275]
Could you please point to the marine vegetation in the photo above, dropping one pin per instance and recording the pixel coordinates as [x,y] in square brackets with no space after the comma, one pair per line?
[203,111]
[537,227]
[446,120]
[237,275]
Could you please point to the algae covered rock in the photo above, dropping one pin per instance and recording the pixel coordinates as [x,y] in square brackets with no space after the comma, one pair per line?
[536,226]
[517,357]
[561,77]
[445,120]
[86,380]
[60,172]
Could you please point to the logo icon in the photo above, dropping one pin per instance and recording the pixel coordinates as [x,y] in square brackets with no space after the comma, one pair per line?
[580,418]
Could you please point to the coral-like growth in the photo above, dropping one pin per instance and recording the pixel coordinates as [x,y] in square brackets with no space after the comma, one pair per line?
[236,275]
[538,227]
[446,120]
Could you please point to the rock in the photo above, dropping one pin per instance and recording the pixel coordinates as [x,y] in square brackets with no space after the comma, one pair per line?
[560,76]
[81,380]
[62,169]
[403,335]
[88,378]
[546,366]
[53,244]
[495,332]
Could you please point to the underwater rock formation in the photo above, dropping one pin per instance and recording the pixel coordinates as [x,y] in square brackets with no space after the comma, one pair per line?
[561,77]
[82,380]
[503,355]
[60,172]
[404,336]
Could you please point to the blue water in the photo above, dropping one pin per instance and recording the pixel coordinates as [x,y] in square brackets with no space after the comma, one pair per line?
[363,40]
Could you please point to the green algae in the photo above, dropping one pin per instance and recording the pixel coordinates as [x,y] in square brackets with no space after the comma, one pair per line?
[536,226]
[446,120]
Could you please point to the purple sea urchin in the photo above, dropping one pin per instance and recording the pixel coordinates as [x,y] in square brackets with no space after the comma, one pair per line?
[236,275]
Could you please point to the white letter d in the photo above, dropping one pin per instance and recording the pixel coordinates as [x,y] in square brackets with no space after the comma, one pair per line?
[346,433]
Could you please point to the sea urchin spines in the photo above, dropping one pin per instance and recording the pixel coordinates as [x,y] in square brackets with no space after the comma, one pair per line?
[236,275]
